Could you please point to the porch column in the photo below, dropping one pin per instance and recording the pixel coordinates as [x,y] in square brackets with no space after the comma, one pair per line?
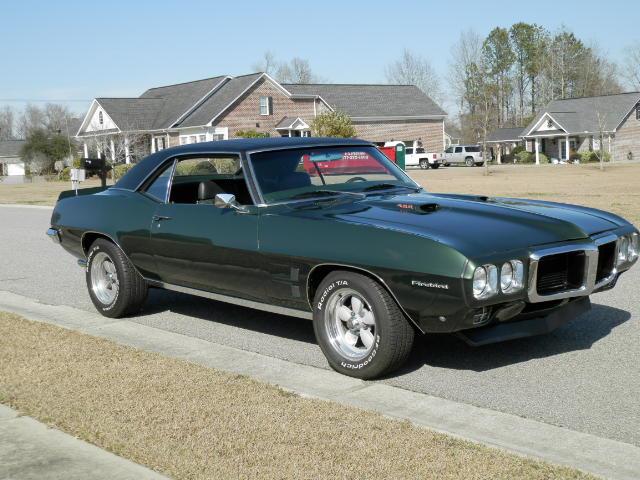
[153,146]
[566,147]
[85,149]
[113,150]
[537,151]
[127,155]
[98,152]
[499,156]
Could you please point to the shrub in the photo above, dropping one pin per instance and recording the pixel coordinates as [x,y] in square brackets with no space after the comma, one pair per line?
[333,124]
[120,169]
[251,134]
[525,157]
[517,149]
[65,174]
[542,157]
[593,157]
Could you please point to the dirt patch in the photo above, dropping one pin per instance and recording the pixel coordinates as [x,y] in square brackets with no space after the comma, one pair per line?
[188,421]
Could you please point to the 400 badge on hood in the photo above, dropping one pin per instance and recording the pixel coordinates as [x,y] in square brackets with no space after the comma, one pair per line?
[331,230]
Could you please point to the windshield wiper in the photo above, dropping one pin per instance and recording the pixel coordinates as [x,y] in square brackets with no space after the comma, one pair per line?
[388,186]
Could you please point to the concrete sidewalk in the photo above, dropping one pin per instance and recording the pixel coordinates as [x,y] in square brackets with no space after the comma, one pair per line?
[604,457]
[31,450]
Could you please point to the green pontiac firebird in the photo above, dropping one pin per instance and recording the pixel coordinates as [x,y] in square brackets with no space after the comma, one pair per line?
[331,230]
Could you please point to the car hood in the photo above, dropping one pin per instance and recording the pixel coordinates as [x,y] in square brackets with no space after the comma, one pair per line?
[475,224]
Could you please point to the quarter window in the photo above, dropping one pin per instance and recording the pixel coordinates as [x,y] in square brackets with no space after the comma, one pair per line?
[265,105]
[159,188]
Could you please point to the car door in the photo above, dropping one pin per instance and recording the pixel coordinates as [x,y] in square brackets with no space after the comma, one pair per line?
[410,158]
[198,245]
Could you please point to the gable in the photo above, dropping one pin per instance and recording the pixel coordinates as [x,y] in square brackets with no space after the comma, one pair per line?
[547,124]
[97,120]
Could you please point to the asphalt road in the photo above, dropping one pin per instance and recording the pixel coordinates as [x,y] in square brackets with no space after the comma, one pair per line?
[584,376]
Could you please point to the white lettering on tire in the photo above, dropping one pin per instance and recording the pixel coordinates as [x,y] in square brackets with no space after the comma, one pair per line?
[365,362]
[329,289]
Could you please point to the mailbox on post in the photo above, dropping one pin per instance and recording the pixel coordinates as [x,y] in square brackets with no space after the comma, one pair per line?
[99,166]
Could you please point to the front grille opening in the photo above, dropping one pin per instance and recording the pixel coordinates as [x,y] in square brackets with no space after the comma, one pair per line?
[606,260]
[561,272]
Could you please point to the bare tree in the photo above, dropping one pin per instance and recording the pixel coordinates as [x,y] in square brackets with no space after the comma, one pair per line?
[266,64]
[297,70]
[631,69]
[412,69]
[6,123]
[52,117]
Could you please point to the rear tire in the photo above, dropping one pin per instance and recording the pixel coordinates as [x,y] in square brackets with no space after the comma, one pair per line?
[115,287]
[435,166]
[469,162]
[359,326]
[424,164]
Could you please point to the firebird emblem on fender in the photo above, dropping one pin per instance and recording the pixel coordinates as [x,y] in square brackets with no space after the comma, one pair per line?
[418,283]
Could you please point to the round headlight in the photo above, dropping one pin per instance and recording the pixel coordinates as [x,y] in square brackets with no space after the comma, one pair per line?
[479,281]
[506,276]
[623,250]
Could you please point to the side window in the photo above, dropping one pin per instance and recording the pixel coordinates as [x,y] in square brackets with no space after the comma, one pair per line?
[409,151]
[198,180]
[458,149]
[159,187]
[265,105]
[449,150]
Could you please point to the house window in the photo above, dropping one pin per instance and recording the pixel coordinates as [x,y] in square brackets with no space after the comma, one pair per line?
[202,138]
[549,124]
[265,105]
[100,118]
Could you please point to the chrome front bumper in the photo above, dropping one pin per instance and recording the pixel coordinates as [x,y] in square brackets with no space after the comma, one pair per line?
[54,235]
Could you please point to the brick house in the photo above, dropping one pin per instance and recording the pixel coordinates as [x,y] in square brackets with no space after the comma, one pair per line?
[580,124]
[219,107]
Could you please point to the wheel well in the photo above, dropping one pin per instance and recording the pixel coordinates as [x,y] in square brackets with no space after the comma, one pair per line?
[90,237]
[320,272]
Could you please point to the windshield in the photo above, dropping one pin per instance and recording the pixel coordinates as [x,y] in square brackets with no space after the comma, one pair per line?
[299,173]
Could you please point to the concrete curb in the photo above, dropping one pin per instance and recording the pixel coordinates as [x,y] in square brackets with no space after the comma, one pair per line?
[20,205]
[29,449]
[601,456]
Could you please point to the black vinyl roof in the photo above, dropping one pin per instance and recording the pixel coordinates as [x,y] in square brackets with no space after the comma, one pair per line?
[132,179]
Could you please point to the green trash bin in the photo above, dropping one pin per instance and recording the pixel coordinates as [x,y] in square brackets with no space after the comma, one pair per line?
[400,155]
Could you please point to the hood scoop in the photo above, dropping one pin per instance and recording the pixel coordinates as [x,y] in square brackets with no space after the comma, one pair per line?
[418,208]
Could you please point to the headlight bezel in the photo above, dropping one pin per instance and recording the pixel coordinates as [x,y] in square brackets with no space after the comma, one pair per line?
[517,276]
[627,250]
[490,281]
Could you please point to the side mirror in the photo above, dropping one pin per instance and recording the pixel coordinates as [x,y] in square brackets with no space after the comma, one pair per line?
[227,200]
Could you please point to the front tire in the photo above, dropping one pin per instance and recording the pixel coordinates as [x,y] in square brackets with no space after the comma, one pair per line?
[424,164]
[469,162]
[359,327]
[115,287]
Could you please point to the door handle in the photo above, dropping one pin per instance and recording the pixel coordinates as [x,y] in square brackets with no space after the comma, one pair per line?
[159,218]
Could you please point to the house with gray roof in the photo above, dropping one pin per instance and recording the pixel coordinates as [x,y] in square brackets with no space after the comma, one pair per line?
[502,141]
[11,163]
[587,123]
[218,108]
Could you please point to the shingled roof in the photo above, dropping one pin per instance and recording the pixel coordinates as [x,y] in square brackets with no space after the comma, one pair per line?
[197,103]
[511,134]
[588,114]
[372,100]
[11,148]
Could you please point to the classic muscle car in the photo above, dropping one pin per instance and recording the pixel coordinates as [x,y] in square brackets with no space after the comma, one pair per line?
[366,253]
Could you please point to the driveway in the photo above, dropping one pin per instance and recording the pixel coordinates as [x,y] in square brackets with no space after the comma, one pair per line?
[584,376]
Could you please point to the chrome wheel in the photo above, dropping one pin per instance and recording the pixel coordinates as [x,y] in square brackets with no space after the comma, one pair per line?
[104,278]
[350,324]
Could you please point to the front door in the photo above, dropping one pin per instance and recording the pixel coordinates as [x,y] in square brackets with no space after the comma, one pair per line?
[201,246]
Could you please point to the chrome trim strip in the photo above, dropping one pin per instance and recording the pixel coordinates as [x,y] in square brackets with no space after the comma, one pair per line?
[590,272]
[291,312]
[54,235]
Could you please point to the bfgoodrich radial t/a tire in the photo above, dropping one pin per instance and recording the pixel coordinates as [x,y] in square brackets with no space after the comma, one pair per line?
[359,327]
[115,287]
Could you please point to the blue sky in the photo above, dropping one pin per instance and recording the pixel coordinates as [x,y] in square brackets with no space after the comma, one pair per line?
[72,51]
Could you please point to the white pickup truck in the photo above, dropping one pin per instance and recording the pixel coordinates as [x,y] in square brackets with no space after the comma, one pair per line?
[419,157]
